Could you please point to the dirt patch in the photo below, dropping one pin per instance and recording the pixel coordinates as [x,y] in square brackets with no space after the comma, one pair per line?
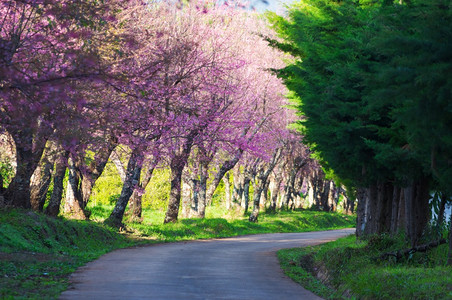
[31,257]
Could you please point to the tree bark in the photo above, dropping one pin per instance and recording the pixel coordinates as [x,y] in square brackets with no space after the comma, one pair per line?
[238,180]
[246,192]
[95,168]
[177,165]
[274,190]
[28,154]
[186,195]
[41,178]
[53,209]
[227,191]
[262,178]
[132,178]
[137,195]
[119,166]
[416,202]
[74,206]
[361,211]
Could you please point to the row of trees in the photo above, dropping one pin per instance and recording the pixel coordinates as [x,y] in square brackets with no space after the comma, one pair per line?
[186,86]
[372,82]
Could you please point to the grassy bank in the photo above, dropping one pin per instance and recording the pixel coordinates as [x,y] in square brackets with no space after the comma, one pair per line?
[350,269]
[37,253]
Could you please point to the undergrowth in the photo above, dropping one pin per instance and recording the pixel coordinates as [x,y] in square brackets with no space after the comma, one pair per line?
[348,268]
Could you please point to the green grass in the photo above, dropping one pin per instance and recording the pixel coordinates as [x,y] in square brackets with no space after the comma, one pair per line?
[215,226]
[37,253]
[350,268]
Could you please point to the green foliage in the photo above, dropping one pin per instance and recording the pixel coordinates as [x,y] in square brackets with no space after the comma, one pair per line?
[157,191]
[108,186]
[353,268]
[38,253]
[6,172]
[372,82]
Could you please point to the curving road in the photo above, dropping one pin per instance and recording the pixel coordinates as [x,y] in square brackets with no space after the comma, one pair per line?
[233,268]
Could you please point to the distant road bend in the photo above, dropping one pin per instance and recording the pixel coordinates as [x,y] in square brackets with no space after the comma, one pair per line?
[243,267]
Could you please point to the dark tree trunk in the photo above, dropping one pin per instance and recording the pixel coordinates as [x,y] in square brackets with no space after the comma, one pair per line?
[361,212]
[18,192]
[325,196]
[416,203]
[53,209]
[74,206]
[299,162]
[264,196]
[132,178]
[137,195]
[246,193]
[42,176]
[177,165]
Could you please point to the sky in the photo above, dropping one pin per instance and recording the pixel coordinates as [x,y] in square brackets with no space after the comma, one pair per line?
[273,5]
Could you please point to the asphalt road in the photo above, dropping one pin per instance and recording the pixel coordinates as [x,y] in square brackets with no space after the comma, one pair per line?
[233,268]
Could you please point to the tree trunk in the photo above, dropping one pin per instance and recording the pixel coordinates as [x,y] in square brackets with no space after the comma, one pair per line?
[361,211]
[177,165]
[28,153]
[274,191]
[132,178]
[246,193]
[92,172]
[74,206]
[258,188]
[262,177]
[137,195]
[42,176]
[394,228]
[186,196]
[416,203]
[119,166]
[53,209]
[264,196]
[238,180]
[199,208]
[227,191]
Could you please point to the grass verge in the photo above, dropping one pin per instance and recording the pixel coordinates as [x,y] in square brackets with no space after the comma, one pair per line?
[37,253]
[348,268]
